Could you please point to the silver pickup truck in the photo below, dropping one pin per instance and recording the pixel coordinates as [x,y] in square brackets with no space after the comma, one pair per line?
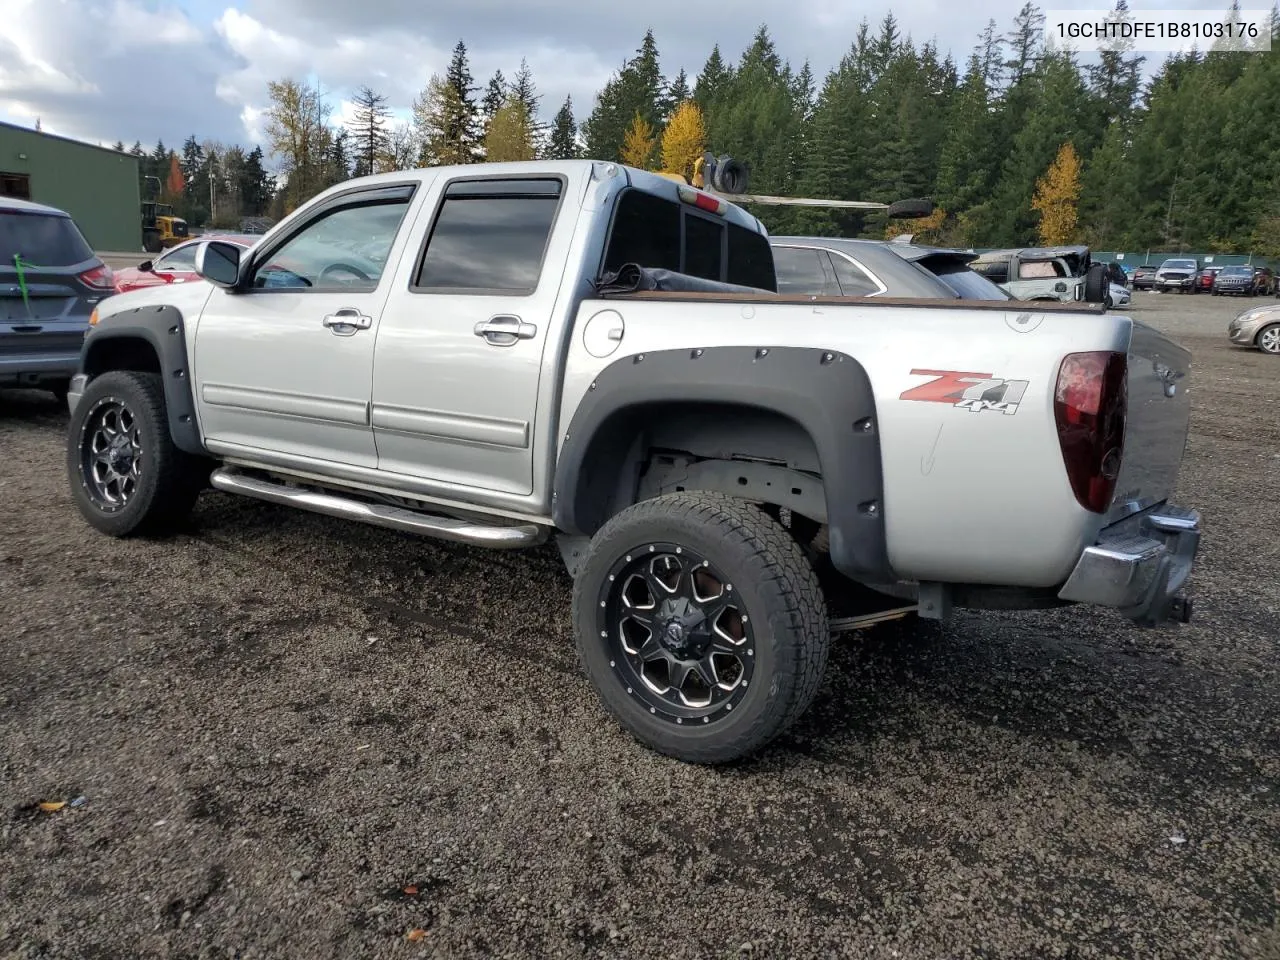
[507,354]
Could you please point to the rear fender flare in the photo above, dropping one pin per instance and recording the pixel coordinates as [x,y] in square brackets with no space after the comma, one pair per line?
[826,393]
[163,330]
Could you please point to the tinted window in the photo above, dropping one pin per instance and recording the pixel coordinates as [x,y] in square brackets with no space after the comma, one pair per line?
[803,271]
[854,281]
[750,259]
[646,231]
[490,235]
[41,240]
[703,241]
[997,271]
[346,249]
[963,282]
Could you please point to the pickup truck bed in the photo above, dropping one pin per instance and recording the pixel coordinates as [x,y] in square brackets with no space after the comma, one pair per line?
[580,351]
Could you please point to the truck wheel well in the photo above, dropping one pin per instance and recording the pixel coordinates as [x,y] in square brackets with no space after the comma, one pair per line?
[121,353]
[647,450]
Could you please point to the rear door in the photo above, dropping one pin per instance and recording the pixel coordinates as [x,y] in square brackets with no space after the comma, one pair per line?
[50,282]
[459,354]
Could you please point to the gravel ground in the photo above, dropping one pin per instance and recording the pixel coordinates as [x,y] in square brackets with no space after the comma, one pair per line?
[299,737]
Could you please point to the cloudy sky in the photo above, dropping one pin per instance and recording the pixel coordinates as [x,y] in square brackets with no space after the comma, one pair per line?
[104,70]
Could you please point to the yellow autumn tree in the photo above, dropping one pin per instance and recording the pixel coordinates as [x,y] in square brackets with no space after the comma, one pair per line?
[923,230]
[1057,196]
[639,143]
[684,140]
[510,135]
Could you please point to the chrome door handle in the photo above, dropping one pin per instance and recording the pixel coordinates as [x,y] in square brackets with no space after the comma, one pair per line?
[347,321]
[505,330]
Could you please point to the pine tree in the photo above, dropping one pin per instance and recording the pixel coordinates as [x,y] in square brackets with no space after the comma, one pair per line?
[967,165]
[712,81]
[564,134]
[440,120]
[636,88]
[1057,197]
[495,95]
[462,122]
[118,146]
[368,129]
[684,140]
[639,143]
[677,93]
[1026,41]
[525,92]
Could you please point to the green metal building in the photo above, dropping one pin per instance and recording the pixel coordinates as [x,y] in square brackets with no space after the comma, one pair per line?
[96,185]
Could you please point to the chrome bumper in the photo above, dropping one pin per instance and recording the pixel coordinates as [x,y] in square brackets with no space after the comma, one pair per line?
[76,391]
[1139,566]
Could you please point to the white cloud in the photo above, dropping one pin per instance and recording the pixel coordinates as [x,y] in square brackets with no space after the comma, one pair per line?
[146,69]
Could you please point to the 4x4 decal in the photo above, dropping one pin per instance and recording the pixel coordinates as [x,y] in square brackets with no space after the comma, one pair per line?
[974,392]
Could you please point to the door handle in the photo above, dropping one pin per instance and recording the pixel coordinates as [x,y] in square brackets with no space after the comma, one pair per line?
[27,328]
[504,330]
[347,321]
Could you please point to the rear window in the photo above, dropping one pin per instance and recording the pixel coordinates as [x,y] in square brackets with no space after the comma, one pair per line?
[963,282]
[662,234]
[41,239]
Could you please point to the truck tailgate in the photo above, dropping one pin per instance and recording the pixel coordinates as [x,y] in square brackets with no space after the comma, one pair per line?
[1159,383]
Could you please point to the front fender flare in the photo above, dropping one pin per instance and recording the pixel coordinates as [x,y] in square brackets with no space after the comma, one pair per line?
[828,394]
[164,330]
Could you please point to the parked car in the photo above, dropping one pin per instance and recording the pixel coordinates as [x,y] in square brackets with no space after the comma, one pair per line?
[1234,281]
[1177,274]
[1117,296]
[1204,281]
[1257,327]
[826,266]
[1067,274]
[587,351]
[50,282]
[1144,277]
[178,265]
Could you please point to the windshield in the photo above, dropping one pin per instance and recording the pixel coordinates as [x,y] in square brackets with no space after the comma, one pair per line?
[41,239]
[1236,272]
[1179,265]
[964,283]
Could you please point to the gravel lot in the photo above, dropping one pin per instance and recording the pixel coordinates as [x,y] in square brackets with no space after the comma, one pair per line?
[280,723]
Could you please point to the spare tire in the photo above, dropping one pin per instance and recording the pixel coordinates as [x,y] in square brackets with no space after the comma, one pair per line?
[910,209]
[1095,284]
[730,176]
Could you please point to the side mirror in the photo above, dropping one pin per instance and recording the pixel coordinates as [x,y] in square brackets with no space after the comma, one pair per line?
[145,266]
[219,263]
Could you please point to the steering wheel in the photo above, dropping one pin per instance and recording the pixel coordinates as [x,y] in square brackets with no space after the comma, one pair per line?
[355,272]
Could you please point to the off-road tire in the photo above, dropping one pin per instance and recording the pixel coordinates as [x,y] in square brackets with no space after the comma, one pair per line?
[769,575]
[168,481]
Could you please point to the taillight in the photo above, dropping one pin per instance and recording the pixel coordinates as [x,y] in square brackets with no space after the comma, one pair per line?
[100,278]
[1090,404]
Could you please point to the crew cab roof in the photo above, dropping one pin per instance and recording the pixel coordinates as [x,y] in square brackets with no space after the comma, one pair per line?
[642,179]
[15,205]
[1037,253]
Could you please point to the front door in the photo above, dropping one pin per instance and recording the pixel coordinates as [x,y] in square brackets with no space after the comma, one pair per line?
[286,364]
[459,356]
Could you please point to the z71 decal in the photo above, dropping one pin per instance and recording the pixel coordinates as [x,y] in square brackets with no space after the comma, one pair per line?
[974,392]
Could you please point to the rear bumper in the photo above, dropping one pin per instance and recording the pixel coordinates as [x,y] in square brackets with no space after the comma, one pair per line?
[1140,566]
[38,367]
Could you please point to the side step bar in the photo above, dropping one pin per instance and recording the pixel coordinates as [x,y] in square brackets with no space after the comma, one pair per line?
[395,518]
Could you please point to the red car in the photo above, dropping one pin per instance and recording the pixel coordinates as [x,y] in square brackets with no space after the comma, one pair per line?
[177,265]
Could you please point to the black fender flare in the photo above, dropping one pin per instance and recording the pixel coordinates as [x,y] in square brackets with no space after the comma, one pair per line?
[826,393]
[164,331]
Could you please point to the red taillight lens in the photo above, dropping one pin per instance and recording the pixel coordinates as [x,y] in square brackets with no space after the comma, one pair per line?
[1090,404]
[100,278]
